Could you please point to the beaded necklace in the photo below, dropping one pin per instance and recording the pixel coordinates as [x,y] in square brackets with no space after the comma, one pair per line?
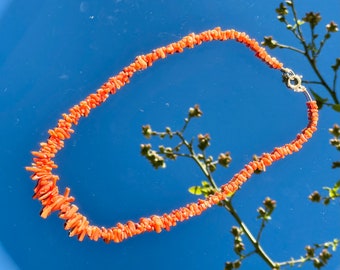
[47,191]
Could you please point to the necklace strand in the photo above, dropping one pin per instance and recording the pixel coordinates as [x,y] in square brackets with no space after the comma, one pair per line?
[47,191]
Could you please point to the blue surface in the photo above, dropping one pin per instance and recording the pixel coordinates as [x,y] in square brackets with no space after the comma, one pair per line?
[55,53]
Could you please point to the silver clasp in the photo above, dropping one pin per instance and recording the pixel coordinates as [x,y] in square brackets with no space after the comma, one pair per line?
[293,81]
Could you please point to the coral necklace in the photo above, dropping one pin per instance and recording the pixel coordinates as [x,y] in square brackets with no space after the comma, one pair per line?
[47,191]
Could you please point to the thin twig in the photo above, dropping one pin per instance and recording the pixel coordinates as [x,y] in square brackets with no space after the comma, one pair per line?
[334,79]
[258,249]
[311,82]
[311,59]
[282,46]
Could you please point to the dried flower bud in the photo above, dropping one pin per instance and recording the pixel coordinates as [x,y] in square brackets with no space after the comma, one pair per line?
[235,231]
[212,167]
[269,203]
[169,153]
[145,149]
[312,18]
[200,156]
[156,160]
[335,142]
[228,266]
[239,247]
[203,141]
[282,10]
[269,42]
[161,148]
[335,164]
[332,27]
[310,252]
[147,131]
[195,111]
[325,255]
[315,197]
[336,129]
[336,66]
[317,263]
[237,264]
[224,159]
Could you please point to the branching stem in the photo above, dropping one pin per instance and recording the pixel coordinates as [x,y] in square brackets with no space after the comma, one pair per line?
[258,249]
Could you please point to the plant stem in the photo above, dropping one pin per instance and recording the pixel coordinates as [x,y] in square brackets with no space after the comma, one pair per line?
[227,204]
[292,262]
[258,249]
[311,82]
[198,162]
[310,59]
[334,79]
[260,231]
[324,83]
[282,46]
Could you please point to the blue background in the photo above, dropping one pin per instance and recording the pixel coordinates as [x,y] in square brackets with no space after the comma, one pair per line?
[54,53]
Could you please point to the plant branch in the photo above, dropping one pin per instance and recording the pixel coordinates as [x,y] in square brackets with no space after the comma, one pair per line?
[311,59]
[282,46]
[193,155]
[258,249]
[334,79]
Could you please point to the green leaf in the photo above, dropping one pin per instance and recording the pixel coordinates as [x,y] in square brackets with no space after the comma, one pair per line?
[205,184]
[205,190]
[319,100]
[196,190]
[336,107]
[333,192]
[337,185]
